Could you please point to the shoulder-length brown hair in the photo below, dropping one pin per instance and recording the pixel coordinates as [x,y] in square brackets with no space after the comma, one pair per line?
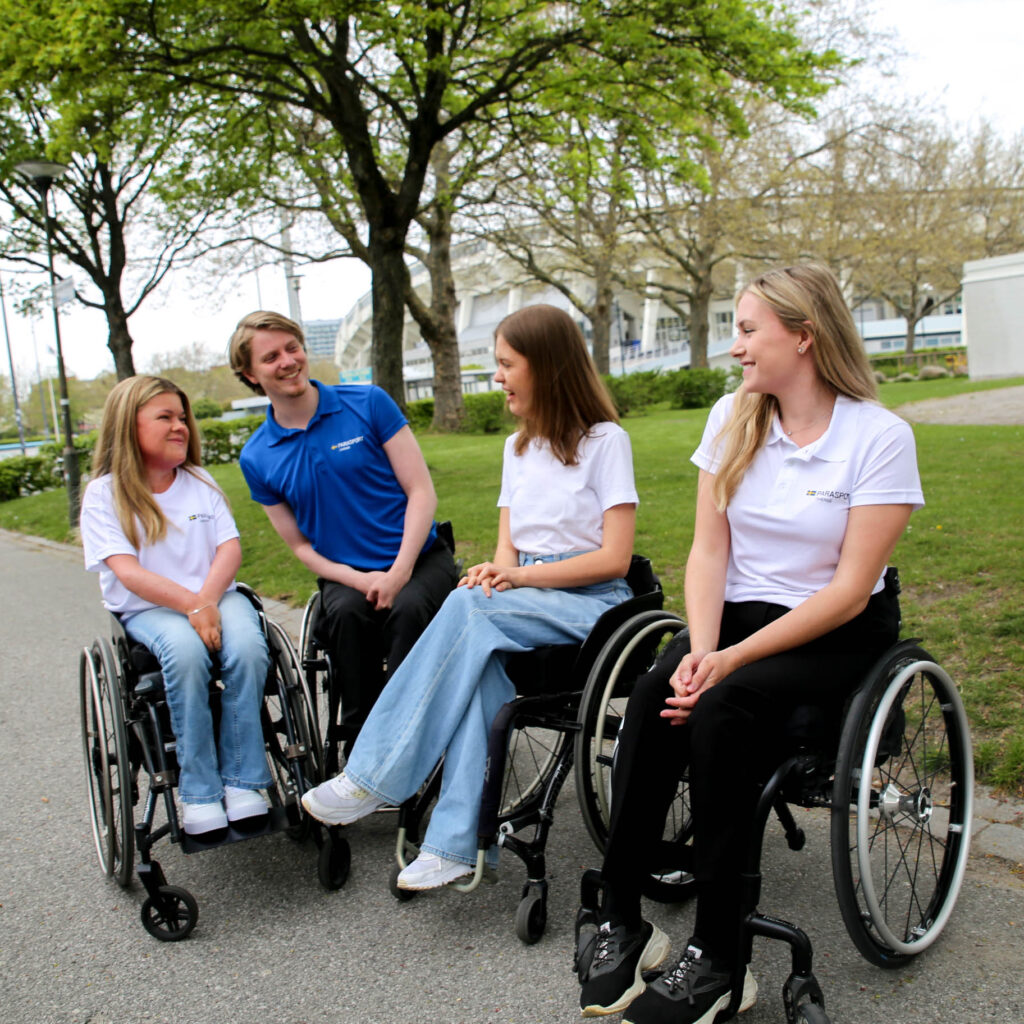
[807,297]
[568,395]
[117,453]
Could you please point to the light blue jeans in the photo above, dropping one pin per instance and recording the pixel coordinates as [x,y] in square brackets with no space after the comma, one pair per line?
[448,690]
[185,663]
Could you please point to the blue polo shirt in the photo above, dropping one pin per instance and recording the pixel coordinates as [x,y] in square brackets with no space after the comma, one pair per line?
[335,475]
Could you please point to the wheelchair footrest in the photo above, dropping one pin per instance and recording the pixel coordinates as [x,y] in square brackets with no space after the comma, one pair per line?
[275,820]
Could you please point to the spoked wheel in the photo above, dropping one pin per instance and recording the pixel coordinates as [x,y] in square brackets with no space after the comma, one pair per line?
[107,766]
[901,812]
[292,738]
[316,671]
[630,652]
[171,915]
[533,752]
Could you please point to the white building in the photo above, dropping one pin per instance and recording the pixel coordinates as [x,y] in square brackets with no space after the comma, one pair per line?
[993,298]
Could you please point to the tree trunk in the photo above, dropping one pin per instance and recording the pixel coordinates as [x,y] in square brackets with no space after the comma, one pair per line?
[601,321]
[911,335]
[700,307]
[390,275]
[119,339]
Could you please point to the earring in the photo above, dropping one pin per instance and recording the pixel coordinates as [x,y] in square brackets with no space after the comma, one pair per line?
[800,349]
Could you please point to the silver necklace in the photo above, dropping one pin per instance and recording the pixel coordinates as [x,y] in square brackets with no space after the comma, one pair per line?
[798,430]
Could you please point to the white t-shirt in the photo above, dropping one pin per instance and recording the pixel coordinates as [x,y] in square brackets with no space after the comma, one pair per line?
[787,519]
[555,509]
[198,522]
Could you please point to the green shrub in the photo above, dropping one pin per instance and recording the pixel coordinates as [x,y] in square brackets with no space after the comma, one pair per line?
[223,440]
[420,413]
[633,392]
[206,409]
[486,413]
[29,474]
[695,389]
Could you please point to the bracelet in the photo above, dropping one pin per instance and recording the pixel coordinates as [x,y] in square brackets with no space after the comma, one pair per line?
[196,611]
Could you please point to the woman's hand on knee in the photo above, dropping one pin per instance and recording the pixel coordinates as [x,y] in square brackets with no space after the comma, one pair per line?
[206,622]
[487,576]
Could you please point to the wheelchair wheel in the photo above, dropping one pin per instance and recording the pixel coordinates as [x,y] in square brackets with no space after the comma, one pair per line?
[316,672]
[533,752]
[108,767]
[630,651]
[901,809]
[334,861]
[292,738]
[171,915]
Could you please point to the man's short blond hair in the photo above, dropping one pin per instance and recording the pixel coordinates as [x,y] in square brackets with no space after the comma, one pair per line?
[240,346]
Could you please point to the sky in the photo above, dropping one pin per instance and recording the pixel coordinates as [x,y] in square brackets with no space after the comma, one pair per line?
[963,55]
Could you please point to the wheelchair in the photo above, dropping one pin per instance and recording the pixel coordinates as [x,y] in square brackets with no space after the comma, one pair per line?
[129,751]
[896,774]
[531,749]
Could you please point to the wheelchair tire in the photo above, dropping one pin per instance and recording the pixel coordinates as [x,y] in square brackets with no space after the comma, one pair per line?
[109,772]
[531,917]
[292,738]
[901,807]
[316,671]
[811,1013]
[630,651]
[402,895]
[334,862]
[533,752]
[171,915]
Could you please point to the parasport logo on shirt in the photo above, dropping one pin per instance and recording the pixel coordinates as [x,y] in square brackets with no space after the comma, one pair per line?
[828,496]
[343,446]
[201,517]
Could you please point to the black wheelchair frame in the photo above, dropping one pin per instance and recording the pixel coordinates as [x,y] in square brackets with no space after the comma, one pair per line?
[127,742]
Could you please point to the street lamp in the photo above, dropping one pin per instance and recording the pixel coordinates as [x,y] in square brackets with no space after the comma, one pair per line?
[14,383]
[42,174]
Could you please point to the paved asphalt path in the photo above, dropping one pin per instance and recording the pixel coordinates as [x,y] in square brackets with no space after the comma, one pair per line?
[271,945]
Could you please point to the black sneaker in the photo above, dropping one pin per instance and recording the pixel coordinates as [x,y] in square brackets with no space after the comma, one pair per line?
[692,992]
[610,963]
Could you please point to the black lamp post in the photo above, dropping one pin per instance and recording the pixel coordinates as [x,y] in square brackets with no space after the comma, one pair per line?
[42,174]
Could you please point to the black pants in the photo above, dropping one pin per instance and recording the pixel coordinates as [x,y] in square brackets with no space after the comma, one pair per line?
[730,744]
[366,645]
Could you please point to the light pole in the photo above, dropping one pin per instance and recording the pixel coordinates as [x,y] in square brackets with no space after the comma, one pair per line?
[42,174]
[14,383]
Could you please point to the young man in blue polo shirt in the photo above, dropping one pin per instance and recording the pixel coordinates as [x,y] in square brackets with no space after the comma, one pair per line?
[343,481]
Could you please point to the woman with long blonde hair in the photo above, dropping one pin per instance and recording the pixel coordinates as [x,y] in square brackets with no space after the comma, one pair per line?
[160,534]
[806,484]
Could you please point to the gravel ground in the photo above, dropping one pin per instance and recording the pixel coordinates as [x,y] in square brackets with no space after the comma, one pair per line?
[1000,407]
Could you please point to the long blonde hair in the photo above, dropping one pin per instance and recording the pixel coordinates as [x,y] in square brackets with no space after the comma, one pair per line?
[568,395]
[804,297]
[117,453]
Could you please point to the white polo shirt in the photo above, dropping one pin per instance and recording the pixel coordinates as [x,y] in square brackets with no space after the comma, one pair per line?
[787,519]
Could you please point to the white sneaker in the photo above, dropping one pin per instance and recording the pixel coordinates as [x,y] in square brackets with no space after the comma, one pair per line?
[339,801]
[430,872]
[197,819]
[243,803]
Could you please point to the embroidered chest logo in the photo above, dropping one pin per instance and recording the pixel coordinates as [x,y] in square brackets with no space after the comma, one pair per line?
[201,517]
[828,496]
[343,446]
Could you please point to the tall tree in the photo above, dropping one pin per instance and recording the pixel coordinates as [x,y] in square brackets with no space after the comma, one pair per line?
[395,80]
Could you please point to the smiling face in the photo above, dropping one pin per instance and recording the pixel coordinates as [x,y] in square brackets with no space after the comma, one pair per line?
[767,350]
[515,377]
[161,427]
[278,364]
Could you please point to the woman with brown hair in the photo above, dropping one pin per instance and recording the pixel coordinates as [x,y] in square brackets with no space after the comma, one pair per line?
[567,511]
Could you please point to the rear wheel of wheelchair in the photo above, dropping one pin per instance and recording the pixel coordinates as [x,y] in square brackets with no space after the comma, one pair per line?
[292,738]
[630,652]
[171,915]
[531,917]
[334,861]
[901,810]
[533,752]
[108,768]
[317,674]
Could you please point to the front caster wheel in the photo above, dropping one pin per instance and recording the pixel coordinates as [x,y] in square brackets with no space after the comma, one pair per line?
[400,894]
[171,915]
[531,917]
[334,862]
[811,1013]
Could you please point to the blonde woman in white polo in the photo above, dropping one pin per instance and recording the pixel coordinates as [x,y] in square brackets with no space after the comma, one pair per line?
[806,484]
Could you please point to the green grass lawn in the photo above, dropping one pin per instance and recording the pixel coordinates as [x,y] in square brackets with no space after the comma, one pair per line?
[961,561]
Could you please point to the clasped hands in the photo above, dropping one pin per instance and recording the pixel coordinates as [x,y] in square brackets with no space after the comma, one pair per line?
[205,620]
[489,576]
[697,672]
